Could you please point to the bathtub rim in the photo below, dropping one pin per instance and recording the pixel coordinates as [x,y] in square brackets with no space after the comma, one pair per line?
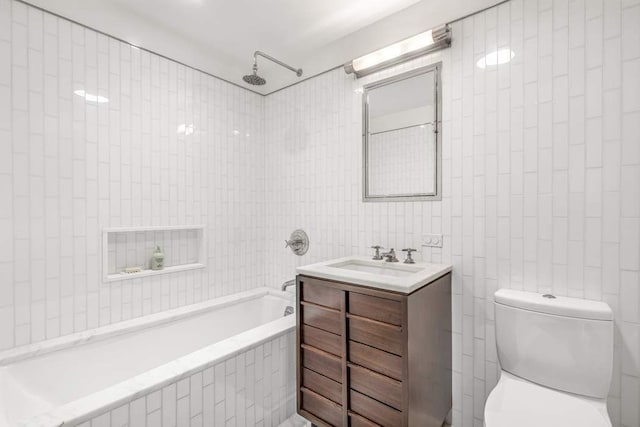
[107,399]
[100,333]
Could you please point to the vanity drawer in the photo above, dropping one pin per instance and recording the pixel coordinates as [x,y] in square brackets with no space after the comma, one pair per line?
[385,389]
[318,292]
[322,385]
[381,309]
[376,411]
[322,362]
[321,407]
[376,360]
[319,317]
[376,334]
[356,420]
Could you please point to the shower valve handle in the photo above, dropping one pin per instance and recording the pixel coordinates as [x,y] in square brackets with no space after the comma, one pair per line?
[293,243]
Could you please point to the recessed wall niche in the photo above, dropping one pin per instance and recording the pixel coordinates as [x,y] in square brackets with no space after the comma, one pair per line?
[132,247]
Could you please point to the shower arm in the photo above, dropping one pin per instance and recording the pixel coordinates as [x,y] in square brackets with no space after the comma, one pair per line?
[257,53]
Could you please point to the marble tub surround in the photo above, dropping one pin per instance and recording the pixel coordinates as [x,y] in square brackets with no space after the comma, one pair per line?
[93,335]
[408,277]
[87,404]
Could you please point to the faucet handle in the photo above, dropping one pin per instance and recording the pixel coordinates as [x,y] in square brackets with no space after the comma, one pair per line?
[408,259]
[377,256]
[293,243]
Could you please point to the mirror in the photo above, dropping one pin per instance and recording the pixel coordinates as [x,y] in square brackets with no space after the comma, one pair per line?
[401,137]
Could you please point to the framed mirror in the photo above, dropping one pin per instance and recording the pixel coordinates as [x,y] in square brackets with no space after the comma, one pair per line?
[401,136]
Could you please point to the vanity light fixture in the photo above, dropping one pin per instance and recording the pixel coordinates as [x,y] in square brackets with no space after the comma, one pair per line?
[90,97]
[413,47]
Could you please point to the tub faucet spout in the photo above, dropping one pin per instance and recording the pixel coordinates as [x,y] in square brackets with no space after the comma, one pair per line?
[288,283]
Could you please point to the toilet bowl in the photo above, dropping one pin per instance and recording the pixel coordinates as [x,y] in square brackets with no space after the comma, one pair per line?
[517,402]
[556,358]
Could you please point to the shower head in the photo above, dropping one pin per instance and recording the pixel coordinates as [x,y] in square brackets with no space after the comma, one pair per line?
[255,79]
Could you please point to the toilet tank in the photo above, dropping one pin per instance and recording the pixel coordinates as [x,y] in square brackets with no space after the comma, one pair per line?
[558,342]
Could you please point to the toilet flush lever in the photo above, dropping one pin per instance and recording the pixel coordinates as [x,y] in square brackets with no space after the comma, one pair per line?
[408,259]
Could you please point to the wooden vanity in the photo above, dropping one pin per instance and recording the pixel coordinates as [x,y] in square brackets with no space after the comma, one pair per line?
[373,357]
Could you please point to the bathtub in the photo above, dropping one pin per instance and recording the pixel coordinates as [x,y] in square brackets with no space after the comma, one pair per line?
[74,379]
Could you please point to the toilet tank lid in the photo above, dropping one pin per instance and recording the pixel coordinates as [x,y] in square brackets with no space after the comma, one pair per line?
[560,306]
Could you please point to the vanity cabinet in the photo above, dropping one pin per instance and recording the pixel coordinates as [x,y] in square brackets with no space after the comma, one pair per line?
[372,357]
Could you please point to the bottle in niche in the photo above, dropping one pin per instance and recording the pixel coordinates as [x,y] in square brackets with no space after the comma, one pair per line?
[157,259]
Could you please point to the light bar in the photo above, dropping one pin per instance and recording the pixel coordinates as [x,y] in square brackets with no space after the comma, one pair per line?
[413,47]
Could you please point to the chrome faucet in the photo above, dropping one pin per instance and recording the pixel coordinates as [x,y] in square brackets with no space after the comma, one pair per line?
[288,283]
[390,256]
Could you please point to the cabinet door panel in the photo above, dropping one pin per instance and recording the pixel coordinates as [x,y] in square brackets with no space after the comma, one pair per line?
[376,360]
[356,420]
[323,340]
[381,309]
[385,389]
[328,320]
[317,292]
[375,334]
[322,408]
[374,410]
[323,363]
[322,385]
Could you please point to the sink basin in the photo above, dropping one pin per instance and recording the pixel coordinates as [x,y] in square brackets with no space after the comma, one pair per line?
[358,270]
[383,269]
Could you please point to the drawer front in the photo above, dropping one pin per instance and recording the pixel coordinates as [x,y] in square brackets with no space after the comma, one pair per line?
[321,339]
[376,360]
[381,309]
[384,389]
[379,335]
[323,363]
[356,420]
[322,318]
[322,385]
[374,410]
[322,408]
[317,292]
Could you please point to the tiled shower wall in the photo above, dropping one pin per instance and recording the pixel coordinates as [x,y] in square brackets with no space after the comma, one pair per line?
[541,178]
[69,168]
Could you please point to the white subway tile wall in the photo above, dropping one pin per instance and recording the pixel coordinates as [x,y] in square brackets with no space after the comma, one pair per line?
[541,184]
[541,178]
[172,146]
[253,388]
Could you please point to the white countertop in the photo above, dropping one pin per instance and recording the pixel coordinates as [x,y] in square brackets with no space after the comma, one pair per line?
[403,278]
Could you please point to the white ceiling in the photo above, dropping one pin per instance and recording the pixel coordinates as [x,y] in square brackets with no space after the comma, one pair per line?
[220,36]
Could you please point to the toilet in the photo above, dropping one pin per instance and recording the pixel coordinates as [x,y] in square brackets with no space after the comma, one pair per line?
[556,359]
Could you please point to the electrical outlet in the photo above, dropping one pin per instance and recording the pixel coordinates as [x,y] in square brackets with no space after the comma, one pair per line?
[432,240]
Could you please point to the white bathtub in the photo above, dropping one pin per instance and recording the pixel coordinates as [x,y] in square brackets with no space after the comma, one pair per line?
[68,380]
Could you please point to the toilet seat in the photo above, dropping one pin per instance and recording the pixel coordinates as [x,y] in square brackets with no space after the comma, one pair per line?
[517,402]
